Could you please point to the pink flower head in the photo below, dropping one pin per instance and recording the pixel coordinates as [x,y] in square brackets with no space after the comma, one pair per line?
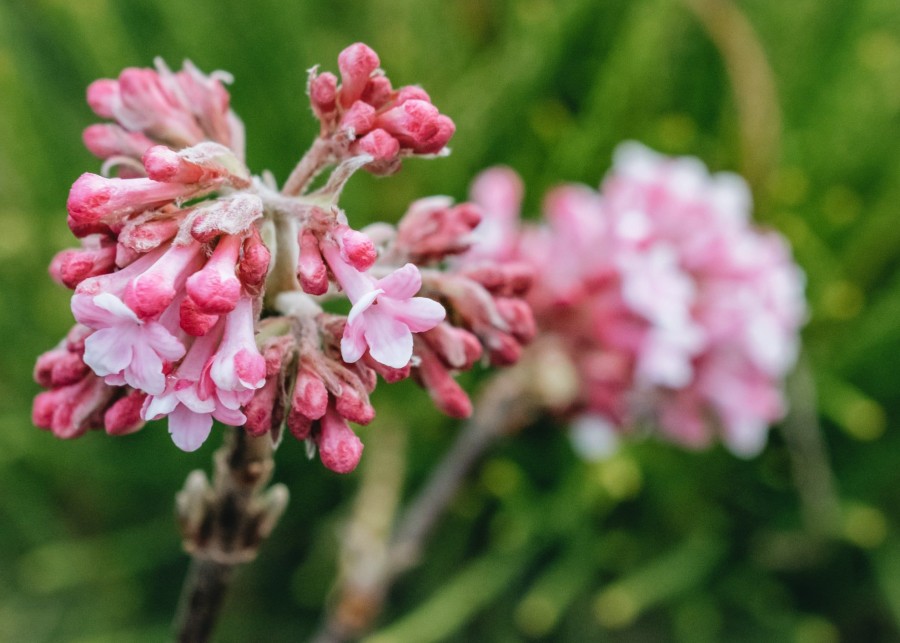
[672,304]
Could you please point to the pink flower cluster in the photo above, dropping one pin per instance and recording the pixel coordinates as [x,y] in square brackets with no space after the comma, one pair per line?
[199,287]
[675,309]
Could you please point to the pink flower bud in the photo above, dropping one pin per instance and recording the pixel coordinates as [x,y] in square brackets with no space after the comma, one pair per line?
[103,97]
[431,229]
[300,426]
[71,267]
[311,270]
[151,292]
[508,278]
[216,289]
[413,123]
[358,249]
[322,94]
[339,447]
[445,129]
[458,348]
[378,144]
[378,91]
[104,140]
[446,394]
[358,120]
[310,397]
[59,368]
[356,62]
[124,416]
[353,404]
[411,92]
[518,316]
[503,348]
[192,320]
[254,264]
[203,163]
[69,411]
[144,235]
[94,198]
[146,105]
[389,374]
[260,409]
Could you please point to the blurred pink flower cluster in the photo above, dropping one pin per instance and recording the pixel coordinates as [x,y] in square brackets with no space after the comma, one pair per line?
[199,287]
[677,312]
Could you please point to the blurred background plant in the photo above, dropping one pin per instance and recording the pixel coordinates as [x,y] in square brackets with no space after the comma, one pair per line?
[656,543]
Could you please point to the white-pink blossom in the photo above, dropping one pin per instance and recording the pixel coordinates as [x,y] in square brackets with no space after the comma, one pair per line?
[385,313]
[124,349]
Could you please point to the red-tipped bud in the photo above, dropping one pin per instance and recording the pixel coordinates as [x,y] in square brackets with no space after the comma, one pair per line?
[503,348]
[431,229]
[216,289]
[353,404]
[104,140]
[339,447]
[518,316]
[71,267]
[259,410]
[356,62]
[310,397]
[411,92]
[446,128]
[94,198]
[458,348]
[144,236]
[59,368]
[446,394]
[322,94]
[203,163]
[413,123]
[388,374]
[358,249]
[379,144]
[103,97]
[311,270]
[151,292]
[146,105]
[192,320]
[378,91]
[358,120]
[124,416]
[254,264]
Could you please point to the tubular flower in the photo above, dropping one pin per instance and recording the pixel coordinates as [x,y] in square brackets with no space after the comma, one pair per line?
[198,286]
[674,309]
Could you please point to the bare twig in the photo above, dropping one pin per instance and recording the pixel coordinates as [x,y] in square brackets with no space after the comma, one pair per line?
[223,525]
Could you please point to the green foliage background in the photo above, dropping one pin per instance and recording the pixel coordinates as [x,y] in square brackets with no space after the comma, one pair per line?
[655,544]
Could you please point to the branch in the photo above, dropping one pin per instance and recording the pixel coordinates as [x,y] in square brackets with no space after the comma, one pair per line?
[223,525]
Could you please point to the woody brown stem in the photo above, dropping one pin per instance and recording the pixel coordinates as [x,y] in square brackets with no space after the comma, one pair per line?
[223,526]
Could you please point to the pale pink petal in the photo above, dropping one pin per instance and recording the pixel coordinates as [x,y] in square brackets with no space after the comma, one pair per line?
[166,345]
[403,283]
[145,372]
[419,313]
[353,343]
[362,304]
[231,417]
[390,341]
[108,351]
[116,307]
[189,430]
[156,406]
[86,312]
[188,396]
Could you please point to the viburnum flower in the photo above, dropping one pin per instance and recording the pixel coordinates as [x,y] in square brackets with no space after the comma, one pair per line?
[673,308]
[199,286]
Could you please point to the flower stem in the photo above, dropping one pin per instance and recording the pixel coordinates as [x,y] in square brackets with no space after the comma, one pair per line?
[223,525]
[316,159]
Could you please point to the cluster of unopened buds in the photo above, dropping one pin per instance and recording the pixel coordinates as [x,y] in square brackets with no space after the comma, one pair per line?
[199,287]
[675,312]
